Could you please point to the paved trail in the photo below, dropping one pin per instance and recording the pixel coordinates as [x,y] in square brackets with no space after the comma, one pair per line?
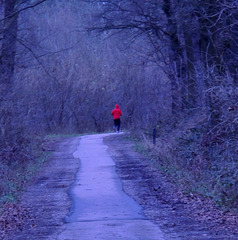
[101,210]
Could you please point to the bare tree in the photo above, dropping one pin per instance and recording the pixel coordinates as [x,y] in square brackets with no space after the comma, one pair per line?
[12,8]
[8,48]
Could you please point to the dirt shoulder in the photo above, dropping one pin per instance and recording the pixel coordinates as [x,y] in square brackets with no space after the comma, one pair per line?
[45,202]
[178,215]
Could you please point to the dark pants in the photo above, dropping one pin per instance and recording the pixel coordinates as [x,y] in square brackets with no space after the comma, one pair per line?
[117,123]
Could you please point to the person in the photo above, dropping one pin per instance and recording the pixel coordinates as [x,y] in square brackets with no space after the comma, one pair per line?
[117,113]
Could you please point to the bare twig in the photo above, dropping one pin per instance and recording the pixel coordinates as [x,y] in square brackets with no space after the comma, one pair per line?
[23,9]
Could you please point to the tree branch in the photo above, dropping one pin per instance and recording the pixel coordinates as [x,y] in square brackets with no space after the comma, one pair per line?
[23,9]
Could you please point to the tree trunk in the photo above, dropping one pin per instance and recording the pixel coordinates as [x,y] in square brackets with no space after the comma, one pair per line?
[190,67]
[175,57]
[9,39]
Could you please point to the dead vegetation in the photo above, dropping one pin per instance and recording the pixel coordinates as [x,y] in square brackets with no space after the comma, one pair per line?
[200,152]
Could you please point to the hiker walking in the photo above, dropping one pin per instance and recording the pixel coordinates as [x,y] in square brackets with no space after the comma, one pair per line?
[116,113]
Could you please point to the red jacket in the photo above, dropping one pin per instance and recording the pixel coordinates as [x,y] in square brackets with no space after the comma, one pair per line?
[116,112]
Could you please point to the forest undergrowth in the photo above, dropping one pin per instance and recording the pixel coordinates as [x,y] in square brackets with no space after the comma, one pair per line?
[199,153]
[21,158]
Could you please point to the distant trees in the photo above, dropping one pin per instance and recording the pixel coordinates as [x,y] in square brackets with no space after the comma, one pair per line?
[194,41]
[156,58]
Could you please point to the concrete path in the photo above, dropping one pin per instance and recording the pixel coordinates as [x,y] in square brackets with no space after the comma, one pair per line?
[101,210]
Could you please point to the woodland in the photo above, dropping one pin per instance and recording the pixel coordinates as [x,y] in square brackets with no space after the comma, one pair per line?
[171,65]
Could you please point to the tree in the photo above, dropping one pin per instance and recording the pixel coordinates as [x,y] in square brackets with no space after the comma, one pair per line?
[9,36]
[9,39]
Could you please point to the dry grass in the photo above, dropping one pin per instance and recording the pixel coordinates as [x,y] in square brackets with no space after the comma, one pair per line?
[200,157]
